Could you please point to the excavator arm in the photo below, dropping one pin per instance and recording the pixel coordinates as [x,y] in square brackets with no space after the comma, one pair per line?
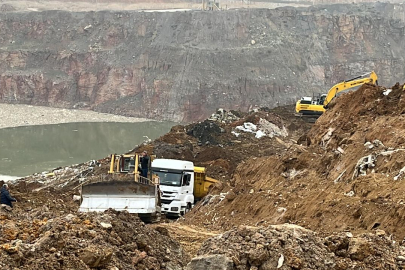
[372,78]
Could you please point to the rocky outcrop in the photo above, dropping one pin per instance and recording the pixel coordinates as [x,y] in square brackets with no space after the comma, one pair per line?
[182,66]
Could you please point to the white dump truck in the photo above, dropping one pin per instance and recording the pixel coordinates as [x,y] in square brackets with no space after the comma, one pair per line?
[181,185]
[173,186]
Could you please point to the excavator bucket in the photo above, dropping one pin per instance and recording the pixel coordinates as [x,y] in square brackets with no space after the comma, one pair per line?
[134,197]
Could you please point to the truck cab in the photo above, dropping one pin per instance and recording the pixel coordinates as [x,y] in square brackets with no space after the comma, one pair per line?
[176,183]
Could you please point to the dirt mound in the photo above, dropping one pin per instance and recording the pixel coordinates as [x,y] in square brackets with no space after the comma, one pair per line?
[228,139]
[45,230]
[109,240]
[350,177]
[293,247]
[361,116]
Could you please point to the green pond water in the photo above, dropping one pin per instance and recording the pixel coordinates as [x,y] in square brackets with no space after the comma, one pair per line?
[31,149]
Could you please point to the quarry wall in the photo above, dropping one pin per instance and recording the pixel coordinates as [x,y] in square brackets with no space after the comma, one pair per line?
[182,66]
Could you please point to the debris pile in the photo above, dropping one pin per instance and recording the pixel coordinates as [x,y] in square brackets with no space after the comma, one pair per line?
[264,128]
[43,239]
[290,246]
[213,144]
[347,174]
[224,116]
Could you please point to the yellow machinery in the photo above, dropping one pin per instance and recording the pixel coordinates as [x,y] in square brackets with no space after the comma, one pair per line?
[173,186]
[122,189]
[127,166]
[202,183]
[316,106]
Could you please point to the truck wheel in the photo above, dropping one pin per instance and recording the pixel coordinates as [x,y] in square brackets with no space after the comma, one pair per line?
[188,209]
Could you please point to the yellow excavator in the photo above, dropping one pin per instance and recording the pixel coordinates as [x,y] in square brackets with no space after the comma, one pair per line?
[315,106]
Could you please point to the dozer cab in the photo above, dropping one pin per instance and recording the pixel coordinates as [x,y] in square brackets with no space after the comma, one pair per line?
[316,106]
[123,188]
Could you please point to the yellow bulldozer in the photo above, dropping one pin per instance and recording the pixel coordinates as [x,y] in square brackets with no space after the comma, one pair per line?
[123,188]
[172,187]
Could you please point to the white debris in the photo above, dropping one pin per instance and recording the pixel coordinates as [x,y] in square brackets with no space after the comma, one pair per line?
[105,225]
[223,116]
[387,92]
[350,193]
[340,176]
[378,143]
[280,261]
[76,198]
[222,196]
[247,127]
[271,129]
[326,138]
[88,27]
[260,134]
[281,210]
[369,145]
[363,164]
[400,174]
[401,258]
[264,128]
[235,133]
[340,150]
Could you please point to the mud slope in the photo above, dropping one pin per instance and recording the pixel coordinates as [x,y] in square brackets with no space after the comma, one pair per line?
[182,66]
[350,177]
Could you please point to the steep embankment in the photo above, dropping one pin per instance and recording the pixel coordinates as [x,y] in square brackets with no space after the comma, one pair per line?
[181,66]
[350,177]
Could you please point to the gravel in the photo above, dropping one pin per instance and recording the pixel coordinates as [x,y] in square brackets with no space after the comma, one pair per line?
[14,115]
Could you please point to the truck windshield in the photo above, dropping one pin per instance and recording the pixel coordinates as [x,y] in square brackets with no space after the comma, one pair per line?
[169,178]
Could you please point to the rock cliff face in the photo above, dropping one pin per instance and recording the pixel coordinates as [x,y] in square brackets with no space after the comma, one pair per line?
[181,66]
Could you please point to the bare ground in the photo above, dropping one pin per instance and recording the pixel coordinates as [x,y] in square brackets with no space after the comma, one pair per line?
[14,115]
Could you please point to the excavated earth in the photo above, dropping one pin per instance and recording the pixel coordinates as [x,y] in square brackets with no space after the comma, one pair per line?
[292,195]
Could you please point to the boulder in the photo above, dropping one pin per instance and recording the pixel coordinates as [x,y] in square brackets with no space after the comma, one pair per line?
[210,262]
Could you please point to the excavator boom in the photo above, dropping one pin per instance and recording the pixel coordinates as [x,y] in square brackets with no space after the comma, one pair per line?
[349,84]
[316,106]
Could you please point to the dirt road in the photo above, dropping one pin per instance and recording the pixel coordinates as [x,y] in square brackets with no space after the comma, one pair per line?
[190,237]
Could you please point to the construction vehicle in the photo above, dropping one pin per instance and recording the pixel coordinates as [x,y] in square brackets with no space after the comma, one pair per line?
[181,184]
[122,189]
[173,186]
[316,105]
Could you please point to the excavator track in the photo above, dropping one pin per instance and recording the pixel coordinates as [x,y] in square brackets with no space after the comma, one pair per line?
[307,118]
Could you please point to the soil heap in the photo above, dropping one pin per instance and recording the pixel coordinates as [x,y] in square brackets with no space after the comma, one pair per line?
[339,186]
[45,231]
[347,174]
[229,138]
[293,247]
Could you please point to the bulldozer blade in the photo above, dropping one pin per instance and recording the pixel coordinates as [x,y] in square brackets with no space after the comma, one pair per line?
[119,195]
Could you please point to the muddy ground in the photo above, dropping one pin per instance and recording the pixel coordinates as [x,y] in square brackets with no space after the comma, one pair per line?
[338,184]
